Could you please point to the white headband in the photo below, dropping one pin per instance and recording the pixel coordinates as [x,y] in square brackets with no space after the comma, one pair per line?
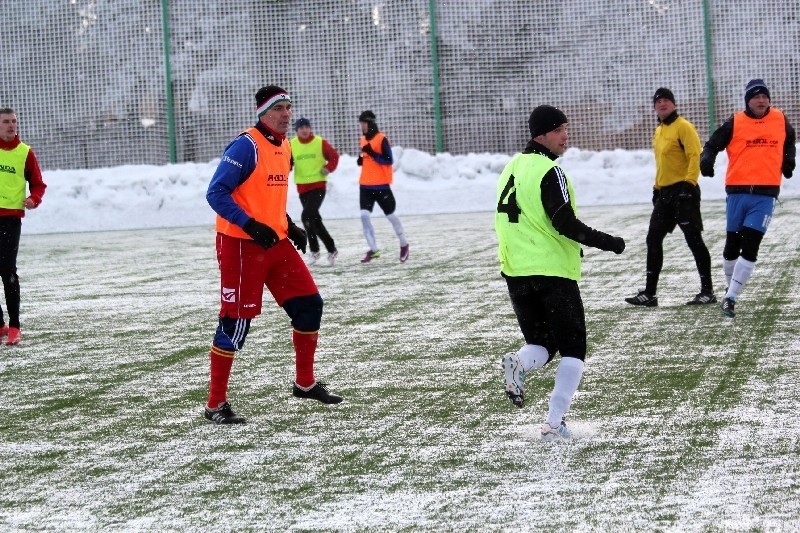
[263,108]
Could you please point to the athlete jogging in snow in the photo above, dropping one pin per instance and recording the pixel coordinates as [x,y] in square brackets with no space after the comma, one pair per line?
[760,144]
[540,240]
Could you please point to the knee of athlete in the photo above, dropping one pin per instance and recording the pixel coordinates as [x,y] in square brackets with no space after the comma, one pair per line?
[8,275]
[231,333]
[305,312]
[751,242]
[365,216]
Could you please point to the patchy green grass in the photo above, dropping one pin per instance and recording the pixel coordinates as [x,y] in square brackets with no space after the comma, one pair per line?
[685,420]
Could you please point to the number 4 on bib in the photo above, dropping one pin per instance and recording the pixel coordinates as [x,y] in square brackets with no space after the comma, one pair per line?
[510,207]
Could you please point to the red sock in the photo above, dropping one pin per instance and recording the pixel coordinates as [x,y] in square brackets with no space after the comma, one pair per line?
[305,345]
[221,363]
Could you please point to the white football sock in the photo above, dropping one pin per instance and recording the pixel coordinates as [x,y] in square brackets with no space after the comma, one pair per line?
[568,377]
[741,273]
[369,231]
[533,356]
[727,269]
[398,228]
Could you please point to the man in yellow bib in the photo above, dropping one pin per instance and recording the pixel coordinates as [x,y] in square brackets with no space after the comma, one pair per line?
[19,170]
[313,158]
[540,239]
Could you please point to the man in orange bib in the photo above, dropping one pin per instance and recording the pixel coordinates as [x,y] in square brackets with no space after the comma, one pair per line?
[375,185]
[248,192]
[760,144]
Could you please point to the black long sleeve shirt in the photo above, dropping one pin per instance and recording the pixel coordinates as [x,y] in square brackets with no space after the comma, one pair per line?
[556,203]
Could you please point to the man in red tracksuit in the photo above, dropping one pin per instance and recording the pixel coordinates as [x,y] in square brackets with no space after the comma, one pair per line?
[18,170]
[248,192]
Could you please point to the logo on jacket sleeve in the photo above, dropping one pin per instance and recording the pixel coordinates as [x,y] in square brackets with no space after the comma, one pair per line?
[228,295]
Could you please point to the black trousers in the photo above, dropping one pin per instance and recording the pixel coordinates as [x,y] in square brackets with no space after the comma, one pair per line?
[10,228]
[550,313]
[312,221]
[677,205]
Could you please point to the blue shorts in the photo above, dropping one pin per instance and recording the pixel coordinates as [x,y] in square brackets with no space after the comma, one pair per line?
[749,211]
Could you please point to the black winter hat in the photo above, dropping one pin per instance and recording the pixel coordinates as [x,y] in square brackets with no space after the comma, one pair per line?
[545,119]
[663,92]
[367,116]
[753,88]
[270,92]
[300,122]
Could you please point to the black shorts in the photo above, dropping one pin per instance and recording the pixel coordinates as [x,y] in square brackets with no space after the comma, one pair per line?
[384,197]
[550,313]
[677,204]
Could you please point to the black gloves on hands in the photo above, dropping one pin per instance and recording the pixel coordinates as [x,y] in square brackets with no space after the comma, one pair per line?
[368,149]
[298,236]
[360,161]
[787,171]
[707,166]
[618,245]
[260,233]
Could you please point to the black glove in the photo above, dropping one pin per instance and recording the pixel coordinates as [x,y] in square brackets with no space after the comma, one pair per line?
[298,236]
[359,161]
[656,195]
[617,245]
[787,171]
[368,149]
[260,233]
[707,166]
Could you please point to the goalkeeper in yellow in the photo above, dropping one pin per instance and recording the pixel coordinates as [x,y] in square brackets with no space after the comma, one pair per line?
[540,239]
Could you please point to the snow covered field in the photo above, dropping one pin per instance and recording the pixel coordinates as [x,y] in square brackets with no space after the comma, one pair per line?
[685,421]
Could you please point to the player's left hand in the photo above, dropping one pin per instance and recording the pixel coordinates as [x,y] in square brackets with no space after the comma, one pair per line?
[29,203]
[298,236]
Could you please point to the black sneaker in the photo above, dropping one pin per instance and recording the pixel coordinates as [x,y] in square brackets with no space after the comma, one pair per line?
[224,415]
[643,299]
[727,307]
[318,392]
[703,298]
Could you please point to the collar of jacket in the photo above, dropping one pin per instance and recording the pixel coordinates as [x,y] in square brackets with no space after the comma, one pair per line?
[672,117]
[535,148]
[273,137]
[10,145]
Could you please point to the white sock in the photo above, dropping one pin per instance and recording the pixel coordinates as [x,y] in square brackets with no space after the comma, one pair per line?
[568,377]
[533,356]
[727,269]
[741,273]
[398,228]
[369,231]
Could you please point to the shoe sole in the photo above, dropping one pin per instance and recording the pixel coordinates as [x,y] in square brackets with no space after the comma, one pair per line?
[515,393]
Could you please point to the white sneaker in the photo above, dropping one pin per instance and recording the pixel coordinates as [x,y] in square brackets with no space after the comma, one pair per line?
[313,258]
[332,257]
[560,432]
[514,378]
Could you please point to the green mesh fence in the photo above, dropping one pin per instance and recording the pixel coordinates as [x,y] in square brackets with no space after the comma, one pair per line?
[88,77]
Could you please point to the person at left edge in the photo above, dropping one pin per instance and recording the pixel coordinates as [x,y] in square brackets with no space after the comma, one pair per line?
[18,169]
[248,192]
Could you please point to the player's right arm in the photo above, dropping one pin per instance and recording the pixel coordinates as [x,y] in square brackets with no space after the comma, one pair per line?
[237,163]
[557,205]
